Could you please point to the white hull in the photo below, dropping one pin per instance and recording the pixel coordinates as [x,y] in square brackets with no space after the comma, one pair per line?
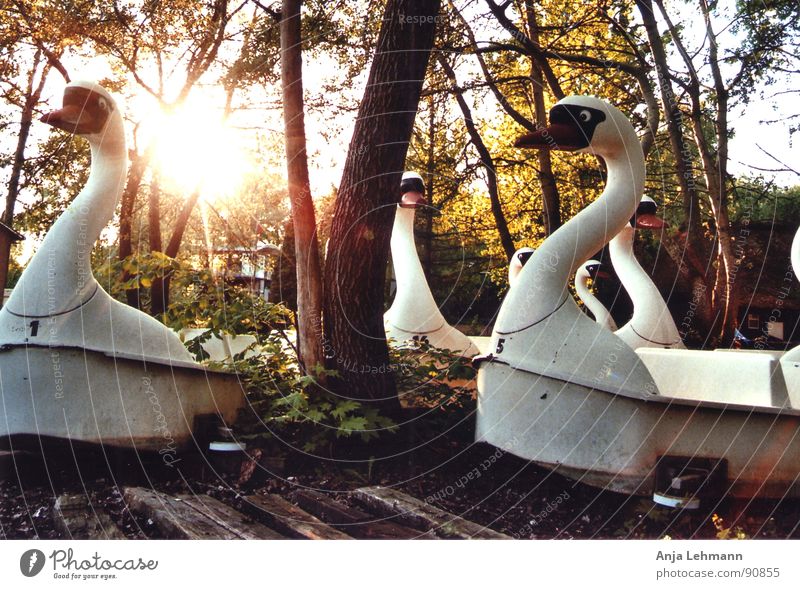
[87,396]
[614,441]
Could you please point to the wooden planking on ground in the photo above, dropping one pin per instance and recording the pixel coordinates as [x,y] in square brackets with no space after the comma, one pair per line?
[75,518]
[418,514]
[226,516]
[289,519]
[353,521]
[190,517]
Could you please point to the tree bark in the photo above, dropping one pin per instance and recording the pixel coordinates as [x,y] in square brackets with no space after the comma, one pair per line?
[369,191]
[309,274]
[673,118]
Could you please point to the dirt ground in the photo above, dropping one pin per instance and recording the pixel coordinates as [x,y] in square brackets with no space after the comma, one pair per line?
[475,481]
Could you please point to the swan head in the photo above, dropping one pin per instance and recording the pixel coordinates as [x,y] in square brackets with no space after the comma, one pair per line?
[594,269]
[87,110]
[584,124]
[646,215]
[518,260]
[412,189]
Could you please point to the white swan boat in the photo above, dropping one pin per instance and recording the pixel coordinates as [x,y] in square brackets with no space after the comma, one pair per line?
[75,363]
[414,314]
[562,391]
[590,270]
[651,325]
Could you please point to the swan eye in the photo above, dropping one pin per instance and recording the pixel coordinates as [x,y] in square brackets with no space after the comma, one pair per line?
[585,116]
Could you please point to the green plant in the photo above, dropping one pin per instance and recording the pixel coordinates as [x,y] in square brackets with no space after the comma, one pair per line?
[284,405]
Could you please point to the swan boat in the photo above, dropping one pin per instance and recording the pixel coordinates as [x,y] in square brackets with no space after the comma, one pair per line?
[591,270]
[414,314]
[75,363]
[560,390]
[651,325]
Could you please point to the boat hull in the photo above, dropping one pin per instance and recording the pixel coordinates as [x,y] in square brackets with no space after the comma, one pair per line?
[87,396]
[614,441]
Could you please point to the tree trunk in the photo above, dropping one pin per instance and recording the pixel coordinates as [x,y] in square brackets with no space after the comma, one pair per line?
[719,198]
[309,274]
[157,294]
[673,118]
[550,198]
[369,191]
[692,242]
[160,287]
[138,167]
[33,93]
[486,161]
[154,214]
[283,285]
[430,185]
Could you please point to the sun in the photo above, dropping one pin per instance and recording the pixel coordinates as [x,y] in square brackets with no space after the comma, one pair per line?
[197,150]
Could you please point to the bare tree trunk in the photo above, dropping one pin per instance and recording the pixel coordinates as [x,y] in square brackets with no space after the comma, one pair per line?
[309,274]
[158,296]
[359,245]
[723,295]
[689,252]
[486,161]
[719,198]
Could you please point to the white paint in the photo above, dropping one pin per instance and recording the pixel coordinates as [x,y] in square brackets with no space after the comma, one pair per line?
[652,324]
[540,328]
[58,289]
[78,365]
[414,314]
[743,378]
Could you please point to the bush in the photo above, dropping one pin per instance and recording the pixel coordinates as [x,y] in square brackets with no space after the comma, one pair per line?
[285,405]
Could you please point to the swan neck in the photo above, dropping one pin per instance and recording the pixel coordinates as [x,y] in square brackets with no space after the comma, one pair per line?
[413,308]
[62,262]
[552,266]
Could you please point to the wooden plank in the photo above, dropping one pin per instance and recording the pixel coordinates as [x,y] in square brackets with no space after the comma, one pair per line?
[191,518]
[418,514]
[289,519]
[76,519]
[353,521]
[245,527]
